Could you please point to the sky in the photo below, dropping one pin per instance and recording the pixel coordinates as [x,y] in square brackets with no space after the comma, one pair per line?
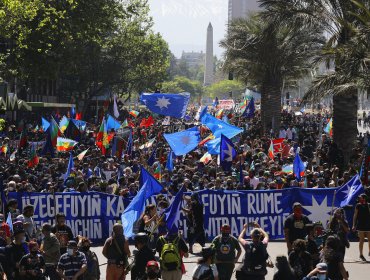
[183,23]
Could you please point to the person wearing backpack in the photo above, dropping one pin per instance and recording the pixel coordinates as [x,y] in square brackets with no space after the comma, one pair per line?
[170,248]
[206,269]
[254,261]
[225,246]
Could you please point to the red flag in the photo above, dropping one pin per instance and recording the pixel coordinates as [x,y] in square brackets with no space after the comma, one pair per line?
[278,145]
[147,122]
[23,139]
[79,116]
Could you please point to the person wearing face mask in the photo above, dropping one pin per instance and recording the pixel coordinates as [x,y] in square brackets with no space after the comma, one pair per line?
[32,265]
[225,246]
[142,256]
[319,273]
[152,271]
[50,249]
[361,223]
[294,226]
[72,265]
[27,220]
[93,271]
[116,250]
[15,251]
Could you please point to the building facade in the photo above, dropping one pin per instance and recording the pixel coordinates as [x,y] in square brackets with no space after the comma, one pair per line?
[241,8]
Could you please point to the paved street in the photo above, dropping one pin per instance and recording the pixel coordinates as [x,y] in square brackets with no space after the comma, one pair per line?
[357,270]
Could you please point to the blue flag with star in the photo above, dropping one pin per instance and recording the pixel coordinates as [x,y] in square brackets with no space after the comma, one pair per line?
[249,110]
[148,187]
[166,104]
[183,142]
[218,128]
[349,192]
[227,153]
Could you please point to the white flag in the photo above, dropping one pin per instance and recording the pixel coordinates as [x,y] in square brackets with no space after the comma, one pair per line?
[115,107]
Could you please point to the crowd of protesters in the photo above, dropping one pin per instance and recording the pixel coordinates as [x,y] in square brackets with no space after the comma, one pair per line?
[52,250]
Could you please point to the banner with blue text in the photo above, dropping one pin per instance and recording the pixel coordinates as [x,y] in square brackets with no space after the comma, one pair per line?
[93,214]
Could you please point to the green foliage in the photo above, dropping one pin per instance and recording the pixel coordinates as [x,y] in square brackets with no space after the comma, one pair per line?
[225,86]
[2,124]
[89,46]
[182,84]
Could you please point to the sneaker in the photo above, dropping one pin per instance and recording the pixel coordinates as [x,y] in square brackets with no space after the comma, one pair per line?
[362,258]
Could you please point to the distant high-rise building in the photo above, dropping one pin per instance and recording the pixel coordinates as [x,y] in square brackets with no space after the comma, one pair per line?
[241,8]
[208,69]
[193,59]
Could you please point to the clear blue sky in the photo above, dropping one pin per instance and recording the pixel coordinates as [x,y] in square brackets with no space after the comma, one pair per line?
[183,23]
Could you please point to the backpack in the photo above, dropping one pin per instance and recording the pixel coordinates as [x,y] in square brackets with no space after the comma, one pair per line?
[170,257]
[255,257]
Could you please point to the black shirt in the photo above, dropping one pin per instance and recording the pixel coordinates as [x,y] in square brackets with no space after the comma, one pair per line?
[141,259]
[301,263]
[297,229]
[363,217]
[64,234]
[33,262]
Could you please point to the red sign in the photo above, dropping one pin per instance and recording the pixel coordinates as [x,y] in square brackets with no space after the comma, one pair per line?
[226,104]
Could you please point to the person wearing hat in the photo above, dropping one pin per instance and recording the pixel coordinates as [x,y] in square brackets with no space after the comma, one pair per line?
[205,268]
[225,246]
[50,249]
[32,265]
[72,265]
[294,226]
[152,270]
[319,273]
[15,251]
[254,261]
[361,223]
[27,220]
[142,256]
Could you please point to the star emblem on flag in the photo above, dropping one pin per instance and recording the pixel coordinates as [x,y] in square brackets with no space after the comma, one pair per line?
[163,102]
[319,211]
[229,153]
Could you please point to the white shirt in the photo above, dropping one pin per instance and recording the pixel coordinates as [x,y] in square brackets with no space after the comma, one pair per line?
[289,134]
[282,133]
[254,182]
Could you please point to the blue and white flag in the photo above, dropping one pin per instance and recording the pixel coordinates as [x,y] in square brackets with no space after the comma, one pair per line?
[9,221]
[172,213]
[298,167]
[112,123]
[148,187]
[169,163]
[152,157]
[45,124]
[227,153]
[168,104]
[349,192]
[249,110]
[70,167]
[183,142]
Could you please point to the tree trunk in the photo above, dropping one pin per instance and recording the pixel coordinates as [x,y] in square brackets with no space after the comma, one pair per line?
[271,107]
[345,122]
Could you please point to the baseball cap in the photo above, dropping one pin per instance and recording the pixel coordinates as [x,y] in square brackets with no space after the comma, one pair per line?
[152,263]
[322,267]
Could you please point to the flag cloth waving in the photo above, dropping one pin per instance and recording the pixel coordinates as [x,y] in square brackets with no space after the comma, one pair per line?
[148,186]
[298,167]
[249,110]
[172,213]
[65,144]
[183,142]
[227,153]
[169,104]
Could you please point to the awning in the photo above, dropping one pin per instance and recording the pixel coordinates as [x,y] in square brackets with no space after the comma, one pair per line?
[50,105]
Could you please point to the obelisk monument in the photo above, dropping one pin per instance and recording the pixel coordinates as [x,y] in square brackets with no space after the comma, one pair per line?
[208,69]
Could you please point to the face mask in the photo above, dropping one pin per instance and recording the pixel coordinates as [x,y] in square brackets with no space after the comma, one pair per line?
[152,274]
[321,276]
[70,251]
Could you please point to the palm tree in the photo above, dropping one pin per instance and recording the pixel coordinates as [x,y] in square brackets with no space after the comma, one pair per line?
[264,56]
[347,46]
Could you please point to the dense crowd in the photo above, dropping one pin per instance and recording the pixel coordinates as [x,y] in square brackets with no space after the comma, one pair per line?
[28,252]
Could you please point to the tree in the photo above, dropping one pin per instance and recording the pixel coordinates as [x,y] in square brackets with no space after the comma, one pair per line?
[338,19]
[89,47]
[224,87]
[263,55]
[182,84]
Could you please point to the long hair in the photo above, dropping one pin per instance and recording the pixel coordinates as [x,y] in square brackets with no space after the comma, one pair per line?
[284,269]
